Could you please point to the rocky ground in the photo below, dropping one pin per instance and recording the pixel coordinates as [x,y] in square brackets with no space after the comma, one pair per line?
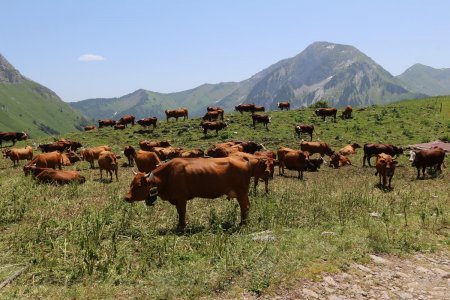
[420,276]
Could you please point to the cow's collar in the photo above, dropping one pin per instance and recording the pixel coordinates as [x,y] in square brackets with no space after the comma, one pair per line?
[152,192]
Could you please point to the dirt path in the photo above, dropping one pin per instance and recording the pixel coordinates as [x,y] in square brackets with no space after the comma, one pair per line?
[420,276]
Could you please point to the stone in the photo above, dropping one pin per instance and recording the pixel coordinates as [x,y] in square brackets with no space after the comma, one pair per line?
[330,280]
[310,293]
[379,260]
[405,295]
[364,269]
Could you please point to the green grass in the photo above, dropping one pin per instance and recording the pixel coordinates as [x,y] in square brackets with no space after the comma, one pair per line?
[86,242]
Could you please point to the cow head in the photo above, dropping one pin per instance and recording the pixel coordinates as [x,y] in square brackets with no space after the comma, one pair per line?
[6,153]
[317,112]
[24,136]
[142,187]
[387,163]
[397,150]
[356,146]
[412,156]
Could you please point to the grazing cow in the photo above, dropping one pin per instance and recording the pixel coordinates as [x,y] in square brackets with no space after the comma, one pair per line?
[106,122]
[127,119]
[349,149]
[108,161]
[433,157]
[211,115]
[337,160]
[261,119]
[258,108]
[89,127]
[326,112]
[284,105]
[385,166]
[91,154]
[130,153]
[17,154]
[148,121]
[304,128]
[183,179]
[48,175]
[375,149]
[146,161]
[70,145]
[245,107]
[292,160]
[45,160]
[316,147]
[61,147]
[119,127]
[251,147]
[262,168]
[177,113]
[216,108]
[313,164]
[167,153]
[12,136]
[347,113]
[192,153]
[213,125]
[149,145]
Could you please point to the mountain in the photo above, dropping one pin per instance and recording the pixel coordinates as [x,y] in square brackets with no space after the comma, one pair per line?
[427,80]
[28,106]
[337,73]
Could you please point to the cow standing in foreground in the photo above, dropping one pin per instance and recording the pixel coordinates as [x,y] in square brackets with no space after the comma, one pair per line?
[183,179]
[326,112]
[17,154]
[146,161]
[12,136]
[427,158]
[304,128]
[337,160]
[385,166]
[375,149]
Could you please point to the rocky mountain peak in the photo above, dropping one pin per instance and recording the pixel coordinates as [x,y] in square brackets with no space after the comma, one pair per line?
[8,74]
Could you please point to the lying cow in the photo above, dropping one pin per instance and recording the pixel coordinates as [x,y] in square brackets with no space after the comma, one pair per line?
[89,127]
[385,166]
[149,145]
[17,154]
[316,147]
[349,149]
[181,180]
[304,128]
[292,160]
[70,158]
[375,149]
[12,136]
[48,175]
[214,125]
[108,161]
[313,164]
[337,160]
[167,152]
[427,158]
[45,160]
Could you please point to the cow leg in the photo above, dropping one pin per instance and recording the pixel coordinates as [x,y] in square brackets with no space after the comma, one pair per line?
[311,137]
[390,179]
[244,204]
[181,209]
[384,180]
[300,174]
[117,177]
[423,172]
[379,177]
[266,182]
[418,173]
[101,173]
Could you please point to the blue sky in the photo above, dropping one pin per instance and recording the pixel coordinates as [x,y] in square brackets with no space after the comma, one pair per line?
[169,46]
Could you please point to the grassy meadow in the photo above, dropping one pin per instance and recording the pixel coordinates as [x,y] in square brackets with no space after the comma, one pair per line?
[84,241]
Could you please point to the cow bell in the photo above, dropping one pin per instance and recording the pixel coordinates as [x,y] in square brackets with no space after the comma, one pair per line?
[152,196]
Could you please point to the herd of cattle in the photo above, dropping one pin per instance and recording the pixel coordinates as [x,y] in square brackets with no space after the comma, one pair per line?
[178,175]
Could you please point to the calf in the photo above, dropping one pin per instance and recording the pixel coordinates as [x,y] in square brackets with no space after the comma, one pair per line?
[337,160]
[427,158]
[130,153]
[261,119]
[214,125]
[385,166]
[304,128]
[108,161]
[349,149]
[292,160]
[17,154]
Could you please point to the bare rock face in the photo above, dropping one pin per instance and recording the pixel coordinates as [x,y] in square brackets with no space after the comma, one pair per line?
[8,74]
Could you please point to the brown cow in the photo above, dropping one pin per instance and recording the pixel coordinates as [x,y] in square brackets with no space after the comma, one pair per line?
[326,112]
[127,119]
[316,147]
[427,158]
[347,113]
[262,168]
[108,161]
[48,175]
[45,160]
[183,179]
[375,149]
[349,149]
[167,152]
[216,108]
[149,145]
[146,161]
[192,153]
[89,127]
[337,160]
[284,105]
[12,136]
[70,145]
[119,127]
[211,115]
[17,154]
[268,154]
[304,128]
[244,107]
[91,154]
[385,166]
[261,119]
[224,151]
[213,125]
[106,122]
[148,121]
[292,160]
[177,113]
[56,146]
[70,158]
[257,108]
[129,153]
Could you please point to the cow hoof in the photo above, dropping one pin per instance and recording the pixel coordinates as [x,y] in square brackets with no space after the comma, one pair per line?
[150,201]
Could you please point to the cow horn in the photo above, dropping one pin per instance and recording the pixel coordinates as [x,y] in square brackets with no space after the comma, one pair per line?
[148,174]
[134,172]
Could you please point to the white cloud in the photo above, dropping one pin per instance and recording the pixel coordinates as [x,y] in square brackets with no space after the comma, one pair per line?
[91,57]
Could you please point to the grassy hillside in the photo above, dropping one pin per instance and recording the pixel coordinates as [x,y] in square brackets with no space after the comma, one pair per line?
[85,242]
[30,107]
[427,80]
